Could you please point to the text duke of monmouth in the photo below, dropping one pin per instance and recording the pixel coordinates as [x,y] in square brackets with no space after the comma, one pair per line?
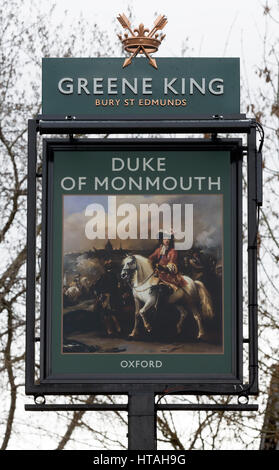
[104,222]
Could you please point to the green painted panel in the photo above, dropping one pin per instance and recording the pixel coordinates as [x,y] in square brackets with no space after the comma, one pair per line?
[180,87]
[199,181]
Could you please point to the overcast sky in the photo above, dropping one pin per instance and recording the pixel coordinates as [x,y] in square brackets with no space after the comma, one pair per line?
[214,28]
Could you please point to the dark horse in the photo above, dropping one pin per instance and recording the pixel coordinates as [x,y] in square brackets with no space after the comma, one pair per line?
[106,290]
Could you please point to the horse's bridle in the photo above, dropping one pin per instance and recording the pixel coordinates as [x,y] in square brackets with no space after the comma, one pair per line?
[142,282]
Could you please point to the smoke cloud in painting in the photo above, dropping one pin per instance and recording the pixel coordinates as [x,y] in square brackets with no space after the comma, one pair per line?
[200,221]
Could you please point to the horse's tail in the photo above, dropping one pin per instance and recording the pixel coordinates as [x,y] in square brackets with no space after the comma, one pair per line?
[205,300]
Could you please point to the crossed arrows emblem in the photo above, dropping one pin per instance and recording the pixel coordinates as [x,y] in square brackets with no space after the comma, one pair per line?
[141,43]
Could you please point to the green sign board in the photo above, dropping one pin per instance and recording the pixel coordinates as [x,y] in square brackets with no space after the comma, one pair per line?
[101,88]
[141,243]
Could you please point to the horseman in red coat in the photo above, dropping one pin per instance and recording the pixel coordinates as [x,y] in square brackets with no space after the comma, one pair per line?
[165,260]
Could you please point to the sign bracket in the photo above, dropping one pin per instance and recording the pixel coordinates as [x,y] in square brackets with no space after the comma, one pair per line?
[159,407]
[142,414]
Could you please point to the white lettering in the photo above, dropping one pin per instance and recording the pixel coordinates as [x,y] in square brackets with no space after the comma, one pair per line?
[98,182]
[112,86]
[95,227]
[69,88]
[127,228]
[214,183]
[82,85]
[219,89]
[172,180]
[147,86]
[193,84]
[149,183]
[122,164]
[118,183]
[150,219]
[115,86]
[134,364]
[81,182]
[134,88]
[161,164]
[188,233]
[199,179]
[168,86]
[72,183]
[98,86]
[155,211]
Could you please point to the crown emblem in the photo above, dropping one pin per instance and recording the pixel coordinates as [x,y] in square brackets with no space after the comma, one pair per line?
[144,42]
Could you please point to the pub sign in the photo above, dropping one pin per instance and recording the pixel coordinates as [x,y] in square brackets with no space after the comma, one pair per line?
[141,247]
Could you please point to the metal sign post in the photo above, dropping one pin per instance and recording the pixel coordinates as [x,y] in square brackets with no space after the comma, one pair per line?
[142,429]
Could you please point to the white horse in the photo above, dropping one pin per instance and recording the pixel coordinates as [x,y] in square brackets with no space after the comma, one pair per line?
[193,298]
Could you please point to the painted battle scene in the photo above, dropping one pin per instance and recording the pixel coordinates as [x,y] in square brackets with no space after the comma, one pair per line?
[142,296]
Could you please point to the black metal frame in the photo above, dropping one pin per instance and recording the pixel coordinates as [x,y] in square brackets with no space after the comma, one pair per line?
[235,148]
[139,392]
